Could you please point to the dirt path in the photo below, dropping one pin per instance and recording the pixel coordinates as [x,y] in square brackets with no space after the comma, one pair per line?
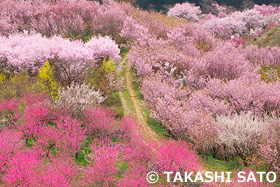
[137,112]
[126,109]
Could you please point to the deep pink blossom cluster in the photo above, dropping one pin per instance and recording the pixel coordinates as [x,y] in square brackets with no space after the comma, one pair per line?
[45,146]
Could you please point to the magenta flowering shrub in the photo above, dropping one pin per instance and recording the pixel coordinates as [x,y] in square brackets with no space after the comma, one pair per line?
[135,176]
[176,156]
[9,110]
[102,165]
[61,172]
[99,121]
[27,168]
[22,168]
[10,142]
[71,134]
[36,116]
[48,146]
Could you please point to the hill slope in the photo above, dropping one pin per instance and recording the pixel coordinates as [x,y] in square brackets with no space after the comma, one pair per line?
[270,38]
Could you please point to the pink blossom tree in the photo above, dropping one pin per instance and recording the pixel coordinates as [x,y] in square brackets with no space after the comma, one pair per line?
[22,169]
[99,121]
[102,164]
[10,142]
[185,10]
[177,156]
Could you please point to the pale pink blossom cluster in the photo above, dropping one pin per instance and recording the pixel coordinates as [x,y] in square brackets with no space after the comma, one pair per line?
[73,19]
[247,22]
[23,52]
[185,10]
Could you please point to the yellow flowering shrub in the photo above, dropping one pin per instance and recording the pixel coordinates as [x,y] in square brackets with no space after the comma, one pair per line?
[15,85]
[46,79]
[2,78]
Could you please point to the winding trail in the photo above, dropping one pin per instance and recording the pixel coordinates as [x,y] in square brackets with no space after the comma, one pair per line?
[137,112]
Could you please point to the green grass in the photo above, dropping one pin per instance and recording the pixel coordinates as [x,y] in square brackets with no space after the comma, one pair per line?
[123,166]
[270,38]
[213,164]
[30,142]
[157,127]
[114,102]
[153,123]
[124,51]
[85,150]
[128,99]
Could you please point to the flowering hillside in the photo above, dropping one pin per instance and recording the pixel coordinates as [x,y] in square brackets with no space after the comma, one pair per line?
[106,94]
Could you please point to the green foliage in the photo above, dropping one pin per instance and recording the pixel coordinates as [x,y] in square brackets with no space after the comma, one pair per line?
[124,51]
[101,78]
[87,35]
[30,141]
[129,101]
[114,102]
[46,79]
[270,73]
[16,86]
[123,166]
[81,157]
